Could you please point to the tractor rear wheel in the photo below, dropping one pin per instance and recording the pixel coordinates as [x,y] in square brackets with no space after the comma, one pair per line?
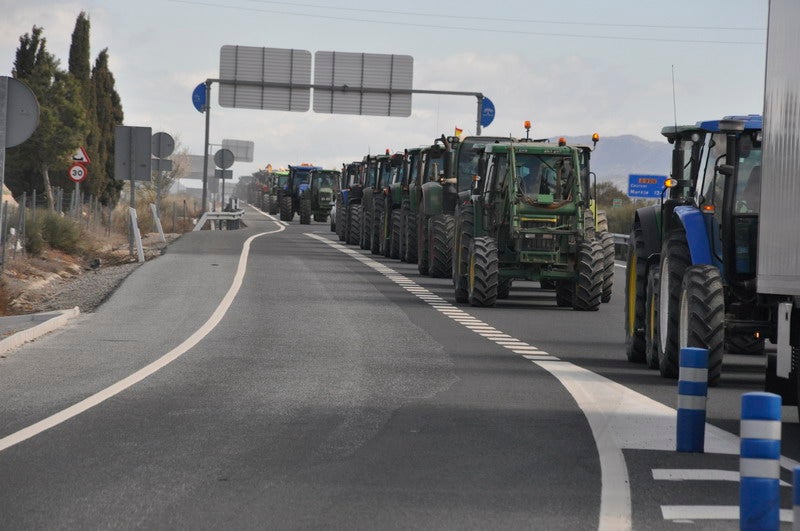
[286,209]
[675,259]
[607,243]
[366,227]
[397,230]
[422,245]
[483,272]
[411,237]
[441,245]
[305,211]
[461,243]
[651,319]
[354,234]
[403,223]
[635,296]
[589,282]
[702,315]
[376,238]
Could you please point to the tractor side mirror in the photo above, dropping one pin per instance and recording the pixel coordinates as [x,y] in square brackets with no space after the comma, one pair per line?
[725,169]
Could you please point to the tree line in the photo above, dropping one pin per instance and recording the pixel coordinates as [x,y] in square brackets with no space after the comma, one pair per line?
[79,107]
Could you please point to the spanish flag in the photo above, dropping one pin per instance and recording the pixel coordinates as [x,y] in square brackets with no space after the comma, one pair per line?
[458,132]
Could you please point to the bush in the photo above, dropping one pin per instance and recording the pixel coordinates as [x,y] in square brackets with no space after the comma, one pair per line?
[60,233]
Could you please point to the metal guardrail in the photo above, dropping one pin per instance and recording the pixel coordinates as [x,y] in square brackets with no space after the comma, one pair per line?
[218,216]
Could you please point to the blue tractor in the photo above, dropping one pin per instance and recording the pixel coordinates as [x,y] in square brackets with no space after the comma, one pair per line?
[691,265]
[295,197]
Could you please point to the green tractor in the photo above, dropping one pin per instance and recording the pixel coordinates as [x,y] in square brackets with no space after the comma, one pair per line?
[365,210]
[295,198]
[321,193]
[275,181]
[409,204]
[392,170]
[526,219]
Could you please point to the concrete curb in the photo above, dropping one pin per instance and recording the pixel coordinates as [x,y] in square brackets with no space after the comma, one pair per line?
[59,319]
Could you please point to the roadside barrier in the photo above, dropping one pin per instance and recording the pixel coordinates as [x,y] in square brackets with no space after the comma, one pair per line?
[759,464]
[692,396]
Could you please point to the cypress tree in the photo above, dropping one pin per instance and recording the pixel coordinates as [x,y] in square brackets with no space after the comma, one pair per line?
[108,114]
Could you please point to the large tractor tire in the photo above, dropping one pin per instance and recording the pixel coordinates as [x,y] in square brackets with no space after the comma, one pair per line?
[440,246]
[397,230]
[588,225]
[651,339]
[744,344]
[274,205]
[287,214]
[423,265]
[483,272]
[589,282]
[602,221]
[354,233]
[342,226]
[461,246]
[411,237]
[675,259]
[267,201]
[305,211]
[565,293]
[366,227]
[376,239]
[635,285]
[702,315]
[606,240]
[404,209]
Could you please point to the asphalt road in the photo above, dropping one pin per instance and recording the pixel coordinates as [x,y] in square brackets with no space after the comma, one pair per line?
[340,390]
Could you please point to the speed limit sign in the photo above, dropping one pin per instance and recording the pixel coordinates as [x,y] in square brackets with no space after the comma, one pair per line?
[77,173]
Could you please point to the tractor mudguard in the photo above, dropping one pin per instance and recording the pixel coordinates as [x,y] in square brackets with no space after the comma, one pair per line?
[696,234]
[431,199]
[650,223]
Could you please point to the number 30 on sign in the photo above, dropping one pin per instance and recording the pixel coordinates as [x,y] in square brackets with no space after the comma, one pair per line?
[77,173]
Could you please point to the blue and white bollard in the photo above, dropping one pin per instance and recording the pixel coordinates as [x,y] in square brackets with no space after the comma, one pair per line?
[759,465]
[796,498]
[692,395]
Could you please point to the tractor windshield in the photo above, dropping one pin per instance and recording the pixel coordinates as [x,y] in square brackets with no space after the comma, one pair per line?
[544,175]
[282,180]
[386,174]
[324,180]
[434,168]
[748,178]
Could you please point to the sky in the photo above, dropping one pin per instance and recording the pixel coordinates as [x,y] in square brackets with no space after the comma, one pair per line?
[571,68]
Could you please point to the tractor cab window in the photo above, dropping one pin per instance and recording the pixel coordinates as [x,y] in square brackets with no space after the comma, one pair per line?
[748,177]
[413,168]
[468,159]
[544,175]
[713,181]
[372,175]
[324,180]
[283,180]
[434,169]
[386,174]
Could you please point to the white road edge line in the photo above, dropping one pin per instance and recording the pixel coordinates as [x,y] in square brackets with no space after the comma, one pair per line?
[699,474]
[612,410]
[711,512]
[103,395]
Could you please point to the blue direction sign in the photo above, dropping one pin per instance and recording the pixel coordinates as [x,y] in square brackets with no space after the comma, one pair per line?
[487,112]
[199,97]
[646,185]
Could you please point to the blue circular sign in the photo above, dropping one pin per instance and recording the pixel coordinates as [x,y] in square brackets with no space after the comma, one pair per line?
[199,97]
[487,112]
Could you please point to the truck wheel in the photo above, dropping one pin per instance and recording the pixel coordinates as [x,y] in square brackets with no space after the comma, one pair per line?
[483,272]
[589,282]
[422,245]
[305,211]
[397,230]
[366,227]
[286,209]
[651,319]
[411,238]
[675,259]
[441,245]
[376,238]
[355,225]
[465,218]
[744,344]
[565,293]
[504,288]
[635,296]
[702,315]
[607,243]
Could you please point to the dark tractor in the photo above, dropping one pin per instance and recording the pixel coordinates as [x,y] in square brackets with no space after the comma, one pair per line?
[349,194]
[275,182]
[426,201]
[409,205]
[294,197]
[691,259]
[370,188]
[391,169]
[526,220]
[321,193]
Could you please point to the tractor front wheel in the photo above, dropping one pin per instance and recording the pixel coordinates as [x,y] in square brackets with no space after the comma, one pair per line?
[354,233]
[483,272]
[305,211]
[635,273]
[702,315]
[397,230]
[286,209]
[589,282]
[441,245]
[675,259]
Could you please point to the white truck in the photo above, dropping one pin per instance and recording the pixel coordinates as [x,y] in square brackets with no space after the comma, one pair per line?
[778,266]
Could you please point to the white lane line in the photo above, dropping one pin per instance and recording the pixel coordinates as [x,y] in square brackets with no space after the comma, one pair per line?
[615,414]
[699,474]
[114,389]
[711,512]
